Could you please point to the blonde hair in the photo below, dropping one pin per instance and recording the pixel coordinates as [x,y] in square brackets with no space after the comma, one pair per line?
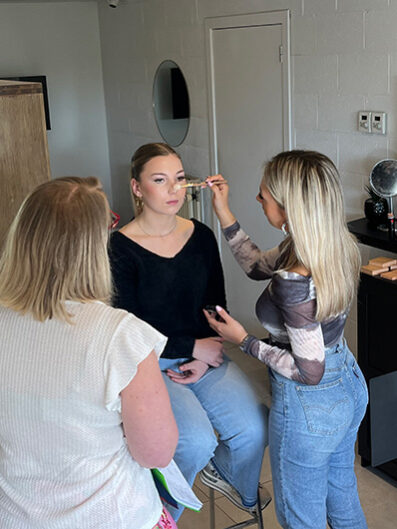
[306,184]
[56,249]
[138,161]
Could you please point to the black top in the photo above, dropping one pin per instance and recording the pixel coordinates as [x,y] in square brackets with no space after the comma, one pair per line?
[170,292]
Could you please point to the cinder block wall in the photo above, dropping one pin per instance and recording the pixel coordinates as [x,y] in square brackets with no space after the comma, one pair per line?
[344,59]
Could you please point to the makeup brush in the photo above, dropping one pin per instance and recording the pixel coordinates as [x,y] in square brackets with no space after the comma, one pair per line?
[195,184]
[190,184]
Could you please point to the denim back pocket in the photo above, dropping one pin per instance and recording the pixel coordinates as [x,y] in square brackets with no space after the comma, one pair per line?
[360,377]
[360,390]
[327,407]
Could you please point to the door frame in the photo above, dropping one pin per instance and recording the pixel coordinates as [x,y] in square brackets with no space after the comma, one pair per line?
[269,18]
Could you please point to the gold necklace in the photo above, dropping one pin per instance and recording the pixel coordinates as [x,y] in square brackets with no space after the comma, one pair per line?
[151,234]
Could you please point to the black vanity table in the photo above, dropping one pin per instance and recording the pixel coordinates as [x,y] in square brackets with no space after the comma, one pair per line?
[377,356]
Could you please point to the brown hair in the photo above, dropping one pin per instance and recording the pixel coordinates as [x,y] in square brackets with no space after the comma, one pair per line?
[56,249]
[138,161]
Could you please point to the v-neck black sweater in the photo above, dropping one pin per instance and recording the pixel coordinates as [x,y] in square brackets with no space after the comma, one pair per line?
[170,292]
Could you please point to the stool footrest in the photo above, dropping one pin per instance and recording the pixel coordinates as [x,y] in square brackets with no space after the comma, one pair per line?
[257,519]
[240,525]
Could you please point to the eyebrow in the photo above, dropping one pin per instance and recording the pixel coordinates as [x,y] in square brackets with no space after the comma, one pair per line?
[164,174]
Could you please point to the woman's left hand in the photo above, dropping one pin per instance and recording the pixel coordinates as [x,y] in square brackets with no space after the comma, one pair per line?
[230,329]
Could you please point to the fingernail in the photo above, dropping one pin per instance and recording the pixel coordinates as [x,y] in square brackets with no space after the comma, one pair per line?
[210,184]
[218,308]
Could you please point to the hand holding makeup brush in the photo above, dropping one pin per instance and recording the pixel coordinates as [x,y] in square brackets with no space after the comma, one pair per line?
[220,199]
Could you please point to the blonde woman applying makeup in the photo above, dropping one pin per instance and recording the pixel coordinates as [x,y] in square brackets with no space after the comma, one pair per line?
[319,395]
[166,269]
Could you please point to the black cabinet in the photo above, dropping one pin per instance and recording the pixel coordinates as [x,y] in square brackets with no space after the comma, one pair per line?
[377,357]
[371,236]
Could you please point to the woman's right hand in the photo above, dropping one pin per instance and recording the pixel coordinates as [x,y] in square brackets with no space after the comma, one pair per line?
[189,373]
[220,199]
[209,350]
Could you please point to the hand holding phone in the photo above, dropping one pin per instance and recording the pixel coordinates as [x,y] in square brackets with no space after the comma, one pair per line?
[211,309]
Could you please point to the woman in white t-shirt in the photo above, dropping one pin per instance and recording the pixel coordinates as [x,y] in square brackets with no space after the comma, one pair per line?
[84,412]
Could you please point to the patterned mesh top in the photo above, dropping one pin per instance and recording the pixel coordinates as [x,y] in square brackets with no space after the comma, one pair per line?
[287,309]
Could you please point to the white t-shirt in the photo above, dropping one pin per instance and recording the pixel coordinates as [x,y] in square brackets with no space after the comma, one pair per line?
[64,463]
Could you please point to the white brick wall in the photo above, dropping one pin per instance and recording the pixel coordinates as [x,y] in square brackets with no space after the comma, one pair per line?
[344,55]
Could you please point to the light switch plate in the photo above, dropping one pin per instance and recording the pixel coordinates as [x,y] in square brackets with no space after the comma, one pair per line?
[378,122]
[364,121]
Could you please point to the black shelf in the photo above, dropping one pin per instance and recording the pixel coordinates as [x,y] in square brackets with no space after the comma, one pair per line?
[371,236]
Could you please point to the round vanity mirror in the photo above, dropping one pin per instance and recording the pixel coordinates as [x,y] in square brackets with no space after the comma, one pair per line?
[171,103]
[383,178]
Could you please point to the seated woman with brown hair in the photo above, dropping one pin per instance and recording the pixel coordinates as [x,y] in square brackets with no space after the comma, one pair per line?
[166,269]
[84,409]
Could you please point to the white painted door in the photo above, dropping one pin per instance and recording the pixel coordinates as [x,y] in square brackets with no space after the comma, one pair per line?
[248,71]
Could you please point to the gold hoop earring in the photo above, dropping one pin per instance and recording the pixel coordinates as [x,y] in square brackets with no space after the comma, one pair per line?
[138,204]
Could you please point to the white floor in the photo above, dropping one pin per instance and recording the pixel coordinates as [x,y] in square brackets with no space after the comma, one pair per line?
[378,496]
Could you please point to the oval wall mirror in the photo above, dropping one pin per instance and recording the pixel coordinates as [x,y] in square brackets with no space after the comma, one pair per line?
[171,103]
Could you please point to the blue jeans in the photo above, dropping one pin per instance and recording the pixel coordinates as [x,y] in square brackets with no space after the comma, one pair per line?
[312,432]
[224,400]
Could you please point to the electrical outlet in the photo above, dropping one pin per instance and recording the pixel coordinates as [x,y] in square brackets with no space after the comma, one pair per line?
[364,121]
[378,122]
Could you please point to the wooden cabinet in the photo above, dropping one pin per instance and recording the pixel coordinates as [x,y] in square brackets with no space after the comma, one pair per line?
[24,160]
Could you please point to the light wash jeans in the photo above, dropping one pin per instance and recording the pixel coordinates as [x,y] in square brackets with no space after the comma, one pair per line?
[312,432]
[224,400]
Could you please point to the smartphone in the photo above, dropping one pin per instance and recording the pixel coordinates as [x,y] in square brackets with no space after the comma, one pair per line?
[211,309]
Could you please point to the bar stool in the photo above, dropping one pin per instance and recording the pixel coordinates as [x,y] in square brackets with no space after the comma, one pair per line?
[256,519]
